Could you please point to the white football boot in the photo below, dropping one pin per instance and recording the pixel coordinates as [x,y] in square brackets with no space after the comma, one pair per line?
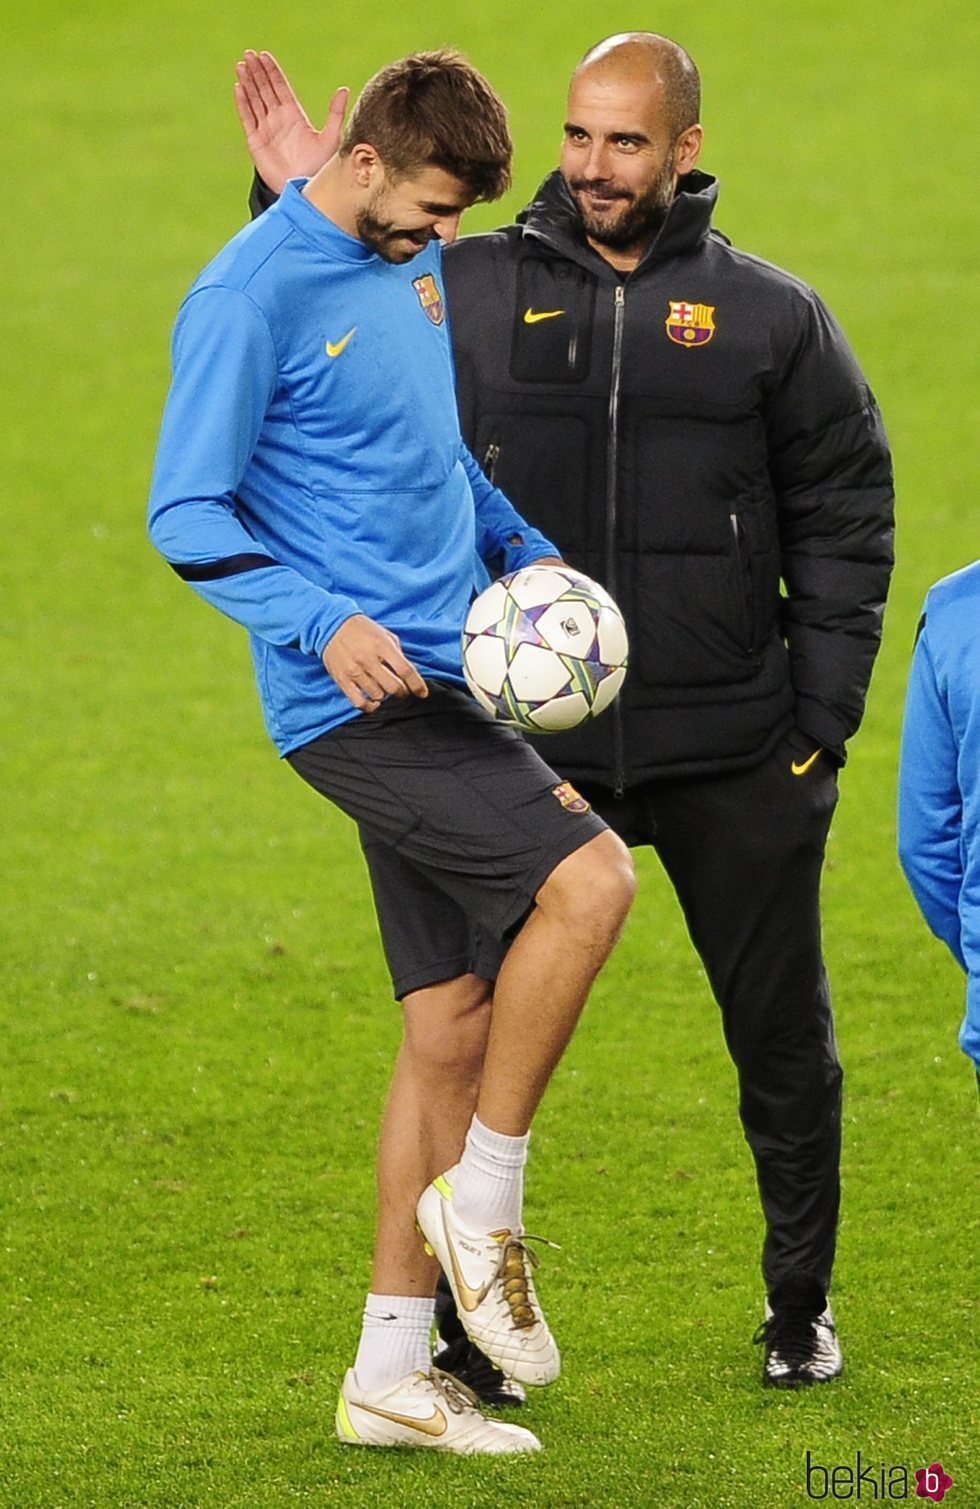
[432,1410]
[489,1274]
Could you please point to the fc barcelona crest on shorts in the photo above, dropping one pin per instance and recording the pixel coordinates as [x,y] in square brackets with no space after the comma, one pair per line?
[569,798]
[430,298]
[690,324]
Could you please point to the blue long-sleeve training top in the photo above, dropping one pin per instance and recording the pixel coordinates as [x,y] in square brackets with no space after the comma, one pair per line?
[310,463]
[939,779]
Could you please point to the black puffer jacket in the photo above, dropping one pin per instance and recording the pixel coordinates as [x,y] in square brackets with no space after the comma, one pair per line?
[692,435]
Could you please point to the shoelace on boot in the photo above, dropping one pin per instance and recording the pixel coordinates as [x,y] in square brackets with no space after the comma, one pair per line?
[790,1332]
[514,1275]
[458,1397]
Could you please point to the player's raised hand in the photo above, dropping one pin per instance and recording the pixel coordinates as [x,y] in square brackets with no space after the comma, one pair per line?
[280,137]
[367,663]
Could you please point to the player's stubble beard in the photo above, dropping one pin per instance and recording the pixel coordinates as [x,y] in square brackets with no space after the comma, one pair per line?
[640,220]
[384,237]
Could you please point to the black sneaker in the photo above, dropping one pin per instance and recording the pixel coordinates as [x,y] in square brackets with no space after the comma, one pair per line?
[799,1336]
[471,1366]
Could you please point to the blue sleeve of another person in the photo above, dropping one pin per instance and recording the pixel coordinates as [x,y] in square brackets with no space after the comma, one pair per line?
[930,803]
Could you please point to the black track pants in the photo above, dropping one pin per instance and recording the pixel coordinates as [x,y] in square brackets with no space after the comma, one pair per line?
[744,853]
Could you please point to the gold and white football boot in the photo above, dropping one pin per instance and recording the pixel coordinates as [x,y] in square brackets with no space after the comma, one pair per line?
[489,1274]
[431,1410]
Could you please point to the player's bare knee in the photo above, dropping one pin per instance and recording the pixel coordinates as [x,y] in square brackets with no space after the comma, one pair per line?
[609,879]
[446,1026]
[592,890]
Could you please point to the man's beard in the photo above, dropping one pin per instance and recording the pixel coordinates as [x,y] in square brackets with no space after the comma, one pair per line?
[384,237]
[638,222]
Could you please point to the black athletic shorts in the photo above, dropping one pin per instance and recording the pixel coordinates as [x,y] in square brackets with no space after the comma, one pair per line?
[461,823]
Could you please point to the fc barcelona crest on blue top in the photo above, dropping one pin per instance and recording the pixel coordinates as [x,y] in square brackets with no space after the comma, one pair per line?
[430,298]
[690,324]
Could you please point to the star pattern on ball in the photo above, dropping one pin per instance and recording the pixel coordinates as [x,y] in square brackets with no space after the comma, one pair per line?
[544,649]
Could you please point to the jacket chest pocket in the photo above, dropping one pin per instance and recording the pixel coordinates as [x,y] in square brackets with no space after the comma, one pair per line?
[553,318]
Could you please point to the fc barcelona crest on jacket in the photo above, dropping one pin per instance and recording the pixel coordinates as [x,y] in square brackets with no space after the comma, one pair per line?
[690,324]
[430,298]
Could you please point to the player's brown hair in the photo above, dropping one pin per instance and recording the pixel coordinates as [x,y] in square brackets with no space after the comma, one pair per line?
[434,110]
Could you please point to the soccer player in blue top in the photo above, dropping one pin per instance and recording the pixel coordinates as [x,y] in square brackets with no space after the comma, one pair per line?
[311,482]
[939,780]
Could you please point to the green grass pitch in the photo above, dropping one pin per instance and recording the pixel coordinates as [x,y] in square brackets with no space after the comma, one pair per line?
[195,1018]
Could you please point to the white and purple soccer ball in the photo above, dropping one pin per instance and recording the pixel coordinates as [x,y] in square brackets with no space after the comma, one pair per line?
[544,649]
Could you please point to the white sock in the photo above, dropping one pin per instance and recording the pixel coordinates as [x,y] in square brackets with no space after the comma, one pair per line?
[394,1341]
[488,1189]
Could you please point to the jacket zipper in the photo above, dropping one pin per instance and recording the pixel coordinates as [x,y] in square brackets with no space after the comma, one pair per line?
[612,477]
[490,459]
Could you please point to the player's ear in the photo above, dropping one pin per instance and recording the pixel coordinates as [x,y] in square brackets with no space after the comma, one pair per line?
[365,166]
[687,150]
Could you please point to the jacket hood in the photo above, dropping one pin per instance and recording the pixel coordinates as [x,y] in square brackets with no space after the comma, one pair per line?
[553,216]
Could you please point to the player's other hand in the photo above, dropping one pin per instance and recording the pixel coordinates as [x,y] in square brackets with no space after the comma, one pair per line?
[280,137]
[367,663]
